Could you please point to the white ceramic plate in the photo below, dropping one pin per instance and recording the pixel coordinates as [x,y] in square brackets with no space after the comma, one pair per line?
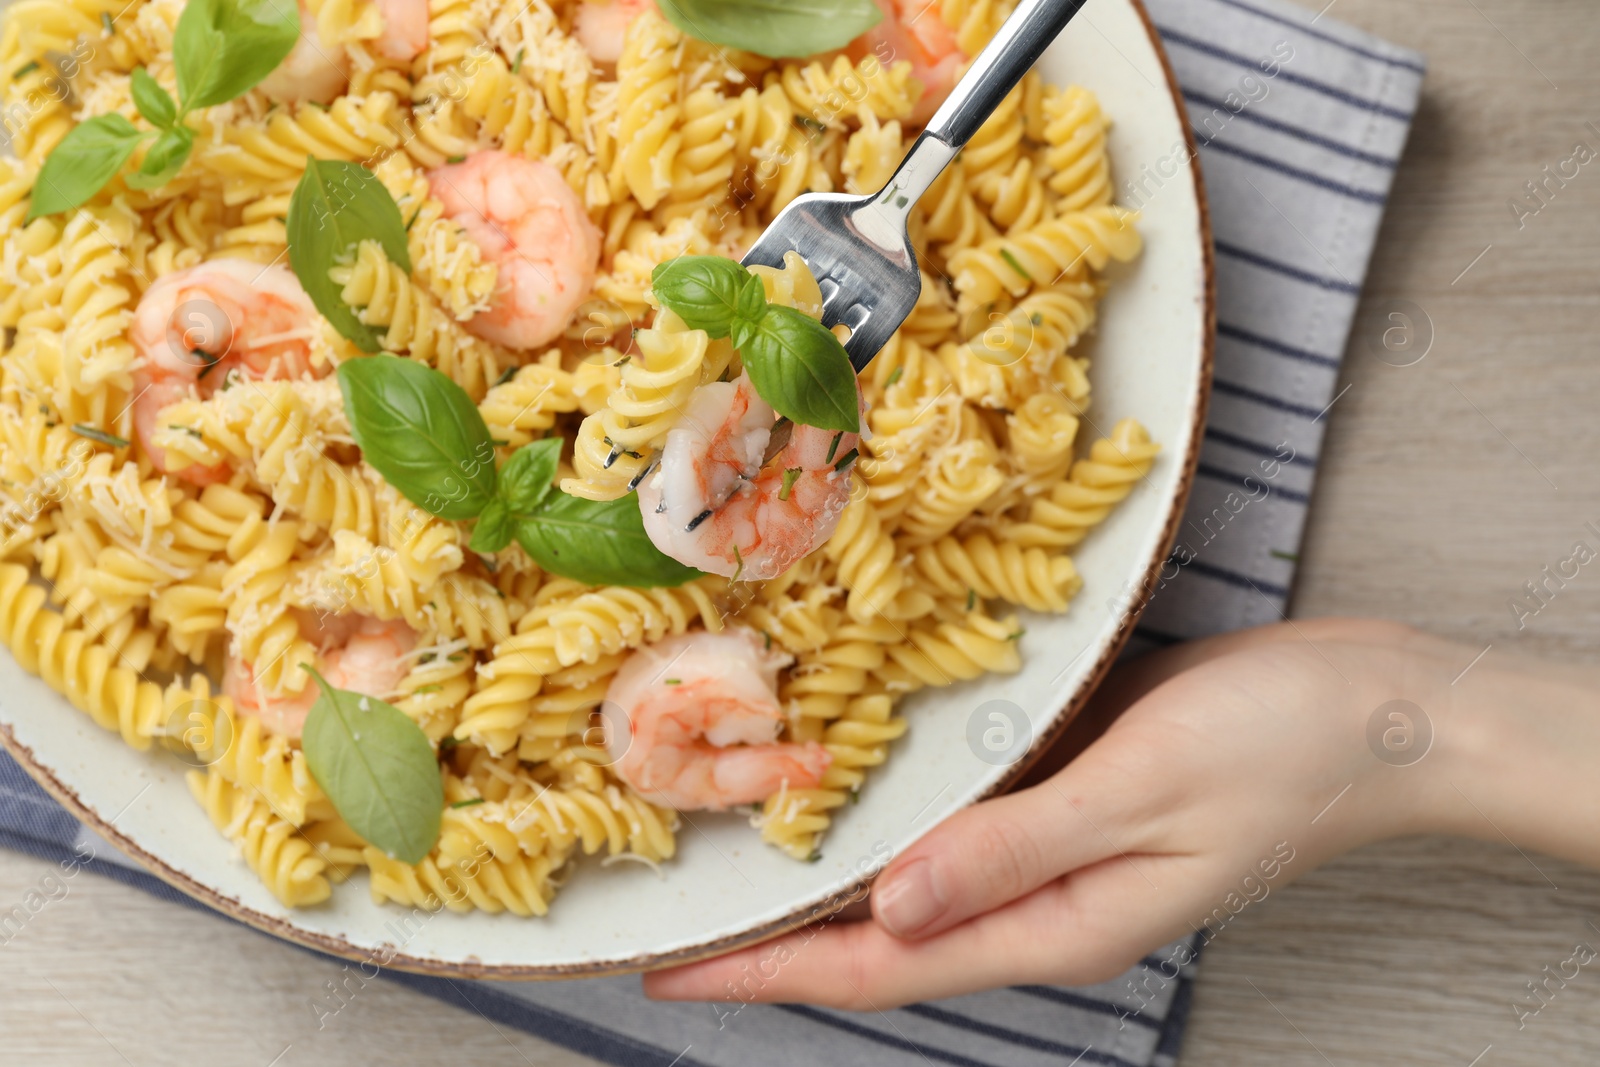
[1152,360]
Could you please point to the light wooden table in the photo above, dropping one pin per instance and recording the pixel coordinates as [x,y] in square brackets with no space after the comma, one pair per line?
[1427,510]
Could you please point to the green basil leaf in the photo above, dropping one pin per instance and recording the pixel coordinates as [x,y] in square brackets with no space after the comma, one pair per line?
[799,367]
[88,156]
[702,290]
[152,100]
[335,206]
[598,542]
[377,768]
[529,475]
[776,28]
[422,432]
[223,48]
[753,300]
[164,160]
[494,529]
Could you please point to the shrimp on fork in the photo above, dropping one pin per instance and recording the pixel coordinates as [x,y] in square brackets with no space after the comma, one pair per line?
[195,327]
[692,722]
[712,504]
[358,653]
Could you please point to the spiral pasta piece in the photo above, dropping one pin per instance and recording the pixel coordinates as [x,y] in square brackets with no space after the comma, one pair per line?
[983,567]
[413,321]
[1055,249]
[526,405]
[795,820]
[521,886]
[444,258]
[609,620]
[285,862]
[671,361]
[256,158]
[1080,170]
[237,749]
[829,93]
[942,651]
[1063,516]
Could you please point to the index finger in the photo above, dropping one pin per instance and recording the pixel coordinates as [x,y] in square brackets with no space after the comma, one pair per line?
[1088,927]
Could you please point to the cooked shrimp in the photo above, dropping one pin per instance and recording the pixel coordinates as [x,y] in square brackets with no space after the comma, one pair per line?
[526,219]
[357,653]
[312,71]
[713,505]
[913,30]
[194,327]
[692,722]
[600,26]
[405,29]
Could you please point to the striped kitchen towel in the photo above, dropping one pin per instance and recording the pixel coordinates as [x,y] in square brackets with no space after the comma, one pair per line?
[1301,122]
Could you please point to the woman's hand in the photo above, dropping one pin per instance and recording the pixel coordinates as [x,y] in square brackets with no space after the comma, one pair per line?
[1240,763]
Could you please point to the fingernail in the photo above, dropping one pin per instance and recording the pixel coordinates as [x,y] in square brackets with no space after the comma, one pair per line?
[910,901]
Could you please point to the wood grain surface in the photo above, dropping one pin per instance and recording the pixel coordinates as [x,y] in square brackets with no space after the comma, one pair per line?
[1444,486]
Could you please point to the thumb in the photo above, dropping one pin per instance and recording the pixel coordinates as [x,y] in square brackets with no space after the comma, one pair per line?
[983,857]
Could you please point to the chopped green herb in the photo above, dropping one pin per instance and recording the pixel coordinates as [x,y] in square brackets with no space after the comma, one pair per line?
[190,430]
[894,376]
[506,375]
[833,447]
[768,638]
[413,221]
[901,201]
[1016,636]
[105,23]
[972,599]
[421,689]
[789,477]
[1011,261]
[846,459]
[855,795]
[468,803]
[94,434]
[740,569]
[498,443]
[206,358]
[814,125]
[25,70]
[1292,557]
[757,807]
[816,854]
[455,159]
[447,744]
[674,681]
[516,64]
[1036,318]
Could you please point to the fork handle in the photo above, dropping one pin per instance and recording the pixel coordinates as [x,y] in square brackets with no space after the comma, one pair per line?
[999,67]
[997,70]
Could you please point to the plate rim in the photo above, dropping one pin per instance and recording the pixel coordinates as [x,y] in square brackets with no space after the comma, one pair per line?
[832,902]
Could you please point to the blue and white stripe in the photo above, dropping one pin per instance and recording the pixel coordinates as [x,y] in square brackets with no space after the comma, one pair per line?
[1297,181]
[1297,178]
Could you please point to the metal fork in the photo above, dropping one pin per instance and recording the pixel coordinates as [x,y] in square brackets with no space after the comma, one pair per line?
[859,247]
